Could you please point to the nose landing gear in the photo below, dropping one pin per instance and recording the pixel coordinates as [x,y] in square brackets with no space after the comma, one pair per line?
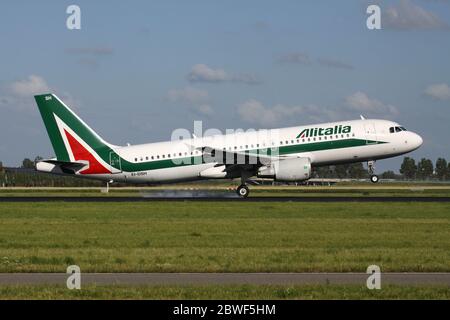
[371,169]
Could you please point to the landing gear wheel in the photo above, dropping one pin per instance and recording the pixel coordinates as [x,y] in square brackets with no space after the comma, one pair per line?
[374,178]
[243,191]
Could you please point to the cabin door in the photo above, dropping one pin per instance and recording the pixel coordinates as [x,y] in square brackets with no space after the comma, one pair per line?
[115,163]
[370,133]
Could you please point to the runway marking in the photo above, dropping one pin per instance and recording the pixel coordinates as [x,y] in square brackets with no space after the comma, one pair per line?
[250,199]
[224,278]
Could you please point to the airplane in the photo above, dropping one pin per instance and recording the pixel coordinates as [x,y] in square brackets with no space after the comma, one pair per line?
[286,154]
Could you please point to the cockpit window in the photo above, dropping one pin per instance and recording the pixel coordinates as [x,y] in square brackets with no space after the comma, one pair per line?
[396,129]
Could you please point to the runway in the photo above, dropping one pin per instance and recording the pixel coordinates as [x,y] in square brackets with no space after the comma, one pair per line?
[215,198]
[224,278]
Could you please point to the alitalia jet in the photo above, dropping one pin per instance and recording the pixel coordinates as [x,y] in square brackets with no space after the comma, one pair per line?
[286,154]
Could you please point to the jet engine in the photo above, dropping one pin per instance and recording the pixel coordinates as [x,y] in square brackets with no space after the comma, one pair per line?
[298,169]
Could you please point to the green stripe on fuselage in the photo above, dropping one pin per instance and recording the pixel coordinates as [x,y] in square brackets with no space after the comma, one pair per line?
[283,150]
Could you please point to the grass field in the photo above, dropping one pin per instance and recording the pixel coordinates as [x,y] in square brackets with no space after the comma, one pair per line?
[227,237]
[226,292]
[225,189]
[224,237]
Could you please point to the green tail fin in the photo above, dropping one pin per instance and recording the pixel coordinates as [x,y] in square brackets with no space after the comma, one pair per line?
[59,118]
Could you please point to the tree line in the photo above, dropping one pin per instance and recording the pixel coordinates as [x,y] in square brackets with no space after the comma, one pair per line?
[424,169]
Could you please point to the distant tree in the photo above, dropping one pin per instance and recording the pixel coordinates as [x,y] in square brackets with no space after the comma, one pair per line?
[425,168]
[1,166]
[341,170]
[357,171]
[441,169]
[388,175]
[27,163]
[322,172]
[408,168]
[37,159]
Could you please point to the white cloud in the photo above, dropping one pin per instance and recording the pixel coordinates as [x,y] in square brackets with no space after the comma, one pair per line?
[204,109]
[253,111]
[245,78]
[407,16]
[188,94]
[19,95]
[360,102]
[305,59]
[196,99]
[295,58]
[439,91]
[332,63]
[204,73]
[30,86]
[96,51]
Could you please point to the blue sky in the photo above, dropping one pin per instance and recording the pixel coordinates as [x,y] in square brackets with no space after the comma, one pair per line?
[137,70]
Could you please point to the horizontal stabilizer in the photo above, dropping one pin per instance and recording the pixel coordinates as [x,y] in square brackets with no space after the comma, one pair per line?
[62,167]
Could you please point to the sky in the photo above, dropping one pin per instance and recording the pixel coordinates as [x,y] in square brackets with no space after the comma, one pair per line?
[137,70]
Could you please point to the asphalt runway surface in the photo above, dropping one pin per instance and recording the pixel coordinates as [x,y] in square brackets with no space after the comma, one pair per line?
[224,278]
[229,198]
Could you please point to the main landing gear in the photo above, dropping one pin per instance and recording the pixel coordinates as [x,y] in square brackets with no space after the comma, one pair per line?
[242,191]
[371,169]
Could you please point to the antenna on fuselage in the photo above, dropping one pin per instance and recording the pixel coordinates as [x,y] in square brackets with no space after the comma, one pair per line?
[362,117]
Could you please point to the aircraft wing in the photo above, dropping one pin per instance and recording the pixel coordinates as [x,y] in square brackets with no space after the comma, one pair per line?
[234,160]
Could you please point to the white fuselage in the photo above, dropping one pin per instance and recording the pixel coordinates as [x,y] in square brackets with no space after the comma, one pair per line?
[368,140]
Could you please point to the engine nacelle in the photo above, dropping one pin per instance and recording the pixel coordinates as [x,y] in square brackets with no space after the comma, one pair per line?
[298,169]
[214,173]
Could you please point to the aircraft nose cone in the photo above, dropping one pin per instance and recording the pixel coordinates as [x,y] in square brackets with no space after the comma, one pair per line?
[419,140]
[416,141]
